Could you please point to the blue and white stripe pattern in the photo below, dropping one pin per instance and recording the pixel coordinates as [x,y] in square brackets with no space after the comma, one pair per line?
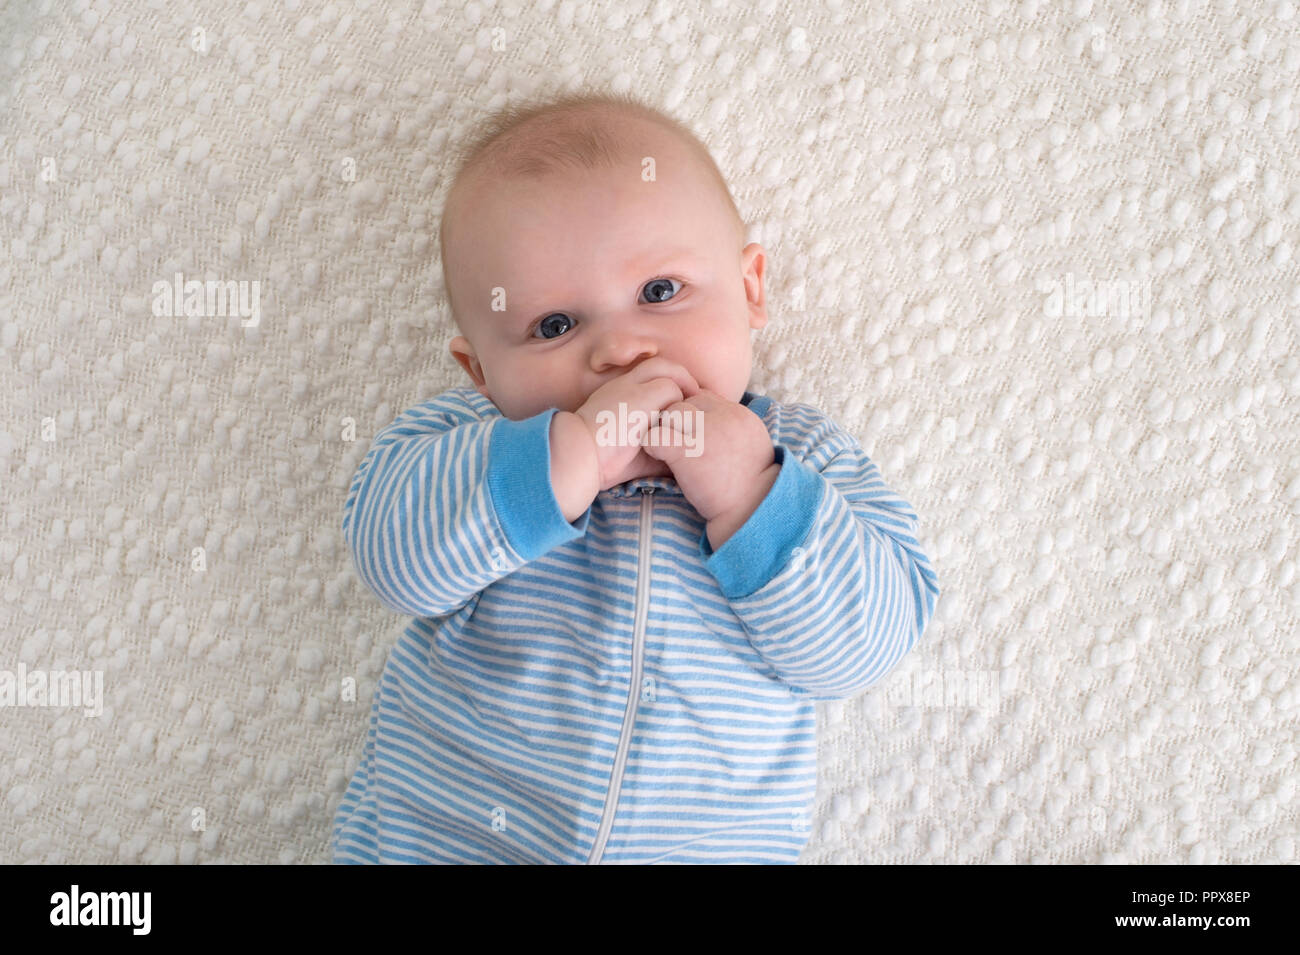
[612,690]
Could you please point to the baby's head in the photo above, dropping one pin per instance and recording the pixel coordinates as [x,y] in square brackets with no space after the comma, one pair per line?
[586,234]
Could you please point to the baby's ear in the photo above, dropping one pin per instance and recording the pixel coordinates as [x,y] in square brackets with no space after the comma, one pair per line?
[463,352]
[753,261]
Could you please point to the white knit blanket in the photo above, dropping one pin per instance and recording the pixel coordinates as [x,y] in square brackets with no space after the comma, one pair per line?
[1039,257]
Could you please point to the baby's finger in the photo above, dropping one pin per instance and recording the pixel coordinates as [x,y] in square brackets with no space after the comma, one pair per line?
[658,393]
[664,444]
[707,400]
[663,368]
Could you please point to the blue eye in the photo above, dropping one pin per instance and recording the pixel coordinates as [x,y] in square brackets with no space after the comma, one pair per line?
[549,322]
[658,285]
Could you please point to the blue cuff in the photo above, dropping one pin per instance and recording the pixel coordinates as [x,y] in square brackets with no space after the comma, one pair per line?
[519,481]
[764,544]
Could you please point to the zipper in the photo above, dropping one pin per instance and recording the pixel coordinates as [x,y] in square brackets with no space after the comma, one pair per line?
[634,690]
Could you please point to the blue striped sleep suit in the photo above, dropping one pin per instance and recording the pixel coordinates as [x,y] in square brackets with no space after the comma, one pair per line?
[612,690]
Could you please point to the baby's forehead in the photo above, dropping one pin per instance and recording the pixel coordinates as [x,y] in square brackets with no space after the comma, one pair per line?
[643,150]
[493,196]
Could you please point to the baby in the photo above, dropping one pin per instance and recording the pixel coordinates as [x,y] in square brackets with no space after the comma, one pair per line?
[631,578]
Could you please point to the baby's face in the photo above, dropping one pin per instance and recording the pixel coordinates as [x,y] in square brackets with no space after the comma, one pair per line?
[593,274]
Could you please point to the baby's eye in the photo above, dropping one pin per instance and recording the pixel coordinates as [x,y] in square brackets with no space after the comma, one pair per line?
[659,293]
[661,290]
[552,321]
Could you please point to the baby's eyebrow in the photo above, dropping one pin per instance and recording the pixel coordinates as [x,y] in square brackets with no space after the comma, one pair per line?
[671,258]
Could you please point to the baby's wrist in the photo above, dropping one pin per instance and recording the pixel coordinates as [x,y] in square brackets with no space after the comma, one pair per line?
[721,527]
[575,464]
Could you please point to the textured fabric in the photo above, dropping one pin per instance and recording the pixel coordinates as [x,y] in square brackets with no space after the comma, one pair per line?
[1111,502]
[612,689]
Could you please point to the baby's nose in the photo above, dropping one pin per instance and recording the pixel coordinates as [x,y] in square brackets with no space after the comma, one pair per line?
[624,350]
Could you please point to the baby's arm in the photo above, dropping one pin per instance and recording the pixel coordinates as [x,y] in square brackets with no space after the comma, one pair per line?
[827,576]
[446,502]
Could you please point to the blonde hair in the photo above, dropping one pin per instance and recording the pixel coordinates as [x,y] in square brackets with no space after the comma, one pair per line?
[575,131]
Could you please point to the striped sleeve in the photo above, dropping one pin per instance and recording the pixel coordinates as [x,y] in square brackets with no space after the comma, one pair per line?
[827,576]
[446,501]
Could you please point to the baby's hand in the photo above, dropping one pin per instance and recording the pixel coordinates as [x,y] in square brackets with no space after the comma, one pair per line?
[729,476]
[649,388]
